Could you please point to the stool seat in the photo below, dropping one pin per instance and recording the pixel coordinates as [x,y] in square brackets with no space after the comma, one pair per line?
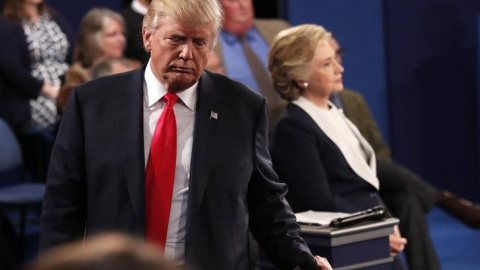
[22,194]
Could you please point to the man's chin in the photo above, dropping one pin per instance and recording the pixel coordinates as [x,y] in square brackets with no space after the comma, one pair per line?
[181,83]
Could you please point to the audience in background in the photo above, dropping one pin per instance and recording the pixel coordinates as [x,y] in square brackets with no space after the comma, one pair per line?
[104,252]
[34,55]
[241,29]
[112,66]
[101,36]
[319,153]
[133,16]
[395,178]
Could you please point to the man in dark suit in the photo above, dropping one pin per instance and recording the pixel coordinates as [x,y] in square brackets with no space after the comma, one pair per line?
[104,174]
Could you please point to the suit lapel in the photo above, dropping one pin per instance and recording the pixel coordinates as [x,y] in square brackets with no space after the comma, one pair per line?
[130,131]
[207,120]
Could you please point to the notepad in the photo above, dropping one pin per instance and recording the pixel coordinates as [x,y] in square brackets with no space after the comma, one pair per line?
[318,217]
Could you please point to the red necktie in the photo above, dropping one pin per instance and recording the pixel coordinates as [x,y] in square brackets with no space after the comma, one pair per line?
[160,174]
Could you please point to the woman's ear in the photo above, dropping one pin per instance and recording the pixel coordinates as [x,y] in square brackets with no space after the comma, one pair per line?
[302,84]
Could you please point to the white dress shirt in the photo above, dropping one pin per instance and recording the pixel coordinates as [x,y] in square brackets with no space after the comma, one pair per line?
[185,117]
[138,7]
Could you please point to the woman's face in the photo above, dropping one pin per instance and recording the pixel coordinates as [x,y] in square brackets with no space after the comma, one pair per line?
[112,39]
[325,71]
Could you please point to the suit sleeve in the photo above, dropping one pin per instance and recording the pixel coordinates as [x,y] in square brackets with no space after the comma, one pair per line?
[299,163]
[13,67]
[63,213]
[272,222]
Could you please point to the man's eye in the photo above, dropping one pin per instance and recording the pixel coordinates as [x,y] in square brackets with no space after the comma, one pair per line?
[176,39]
[200,42]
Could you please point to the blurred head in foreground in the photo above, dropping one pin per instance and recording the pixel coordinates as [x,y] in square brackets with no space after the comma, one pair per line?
[104,252]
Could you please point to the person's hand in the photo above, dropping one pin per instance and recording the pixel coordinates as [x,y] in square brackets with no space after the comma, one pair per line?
[322,263]
[50,91]
[397,242]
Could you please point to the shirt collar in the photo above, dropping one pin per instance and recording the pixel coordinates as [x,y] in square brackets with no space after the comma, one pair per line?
[138,7]
[232,38]
[155,90]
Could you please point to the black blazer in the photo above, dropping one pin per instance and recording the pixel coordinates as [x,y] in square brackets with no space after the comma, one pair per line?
[97,173]
[17,85]
[317,174]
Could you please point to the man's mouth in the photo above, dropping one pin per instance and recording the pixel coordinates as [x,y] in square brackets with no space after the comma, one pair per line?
[182,69]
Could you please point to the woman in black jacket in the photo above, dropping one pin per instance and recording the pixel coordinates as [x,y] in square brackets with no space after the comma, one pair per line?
[35,52]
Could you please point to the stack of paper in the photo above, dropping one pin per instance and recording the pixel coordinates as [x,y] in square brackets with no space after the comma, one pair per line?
[318,217]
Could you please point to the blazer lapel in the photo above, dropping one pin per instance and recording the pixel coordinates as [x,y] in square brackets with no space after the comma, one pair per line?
[130,132]
[207,119]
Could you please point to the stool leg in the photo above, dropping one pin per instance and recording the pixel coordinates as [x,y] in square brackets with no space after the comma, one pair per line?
[22,232]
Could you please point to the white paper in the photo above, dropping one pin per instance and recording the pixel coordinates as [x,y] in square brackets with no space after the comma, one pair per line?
[318,217]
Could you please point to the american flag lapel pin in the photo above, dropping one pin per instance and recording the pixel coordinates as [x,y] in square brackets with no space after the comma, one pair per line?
[213,115]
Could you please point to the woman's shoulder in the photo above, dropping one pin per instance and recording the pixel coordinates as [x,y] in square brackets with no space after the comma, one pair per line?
[295,117]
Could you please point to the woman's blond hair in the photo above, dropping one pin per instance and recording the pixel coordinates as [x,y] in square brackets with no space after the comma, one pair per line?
[291,55]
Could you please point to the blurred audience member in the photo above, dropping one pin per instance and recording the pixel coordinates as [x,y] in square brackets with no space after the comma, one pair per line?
[320,154]
[104,252]
[101,36]
[394,177]
[243,50]
[133,16]
[113,66]
[35,53]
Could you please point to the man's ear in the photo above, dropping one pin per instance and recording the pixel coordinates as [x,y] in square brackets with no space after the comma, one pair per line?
[147,36]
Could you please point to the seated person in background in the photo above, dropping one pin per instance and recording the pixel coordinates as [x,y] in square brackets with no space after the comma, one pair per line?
[249,65]
[112,66]
[394,177]
[133,16]
[104,252]
[319,153]
[101,36]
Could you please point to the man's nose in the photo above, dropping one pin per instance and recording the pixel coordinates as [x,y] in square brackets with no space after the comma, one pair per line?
[186,51]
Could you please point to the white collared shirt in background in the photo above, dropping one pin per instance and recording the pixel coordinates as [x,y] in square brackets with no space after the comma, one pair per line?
[138,7]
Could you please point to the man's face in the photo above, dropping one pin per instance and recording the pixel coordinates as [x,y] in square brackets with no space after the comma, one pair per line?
[238,15]
[338,51]
[179,52]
